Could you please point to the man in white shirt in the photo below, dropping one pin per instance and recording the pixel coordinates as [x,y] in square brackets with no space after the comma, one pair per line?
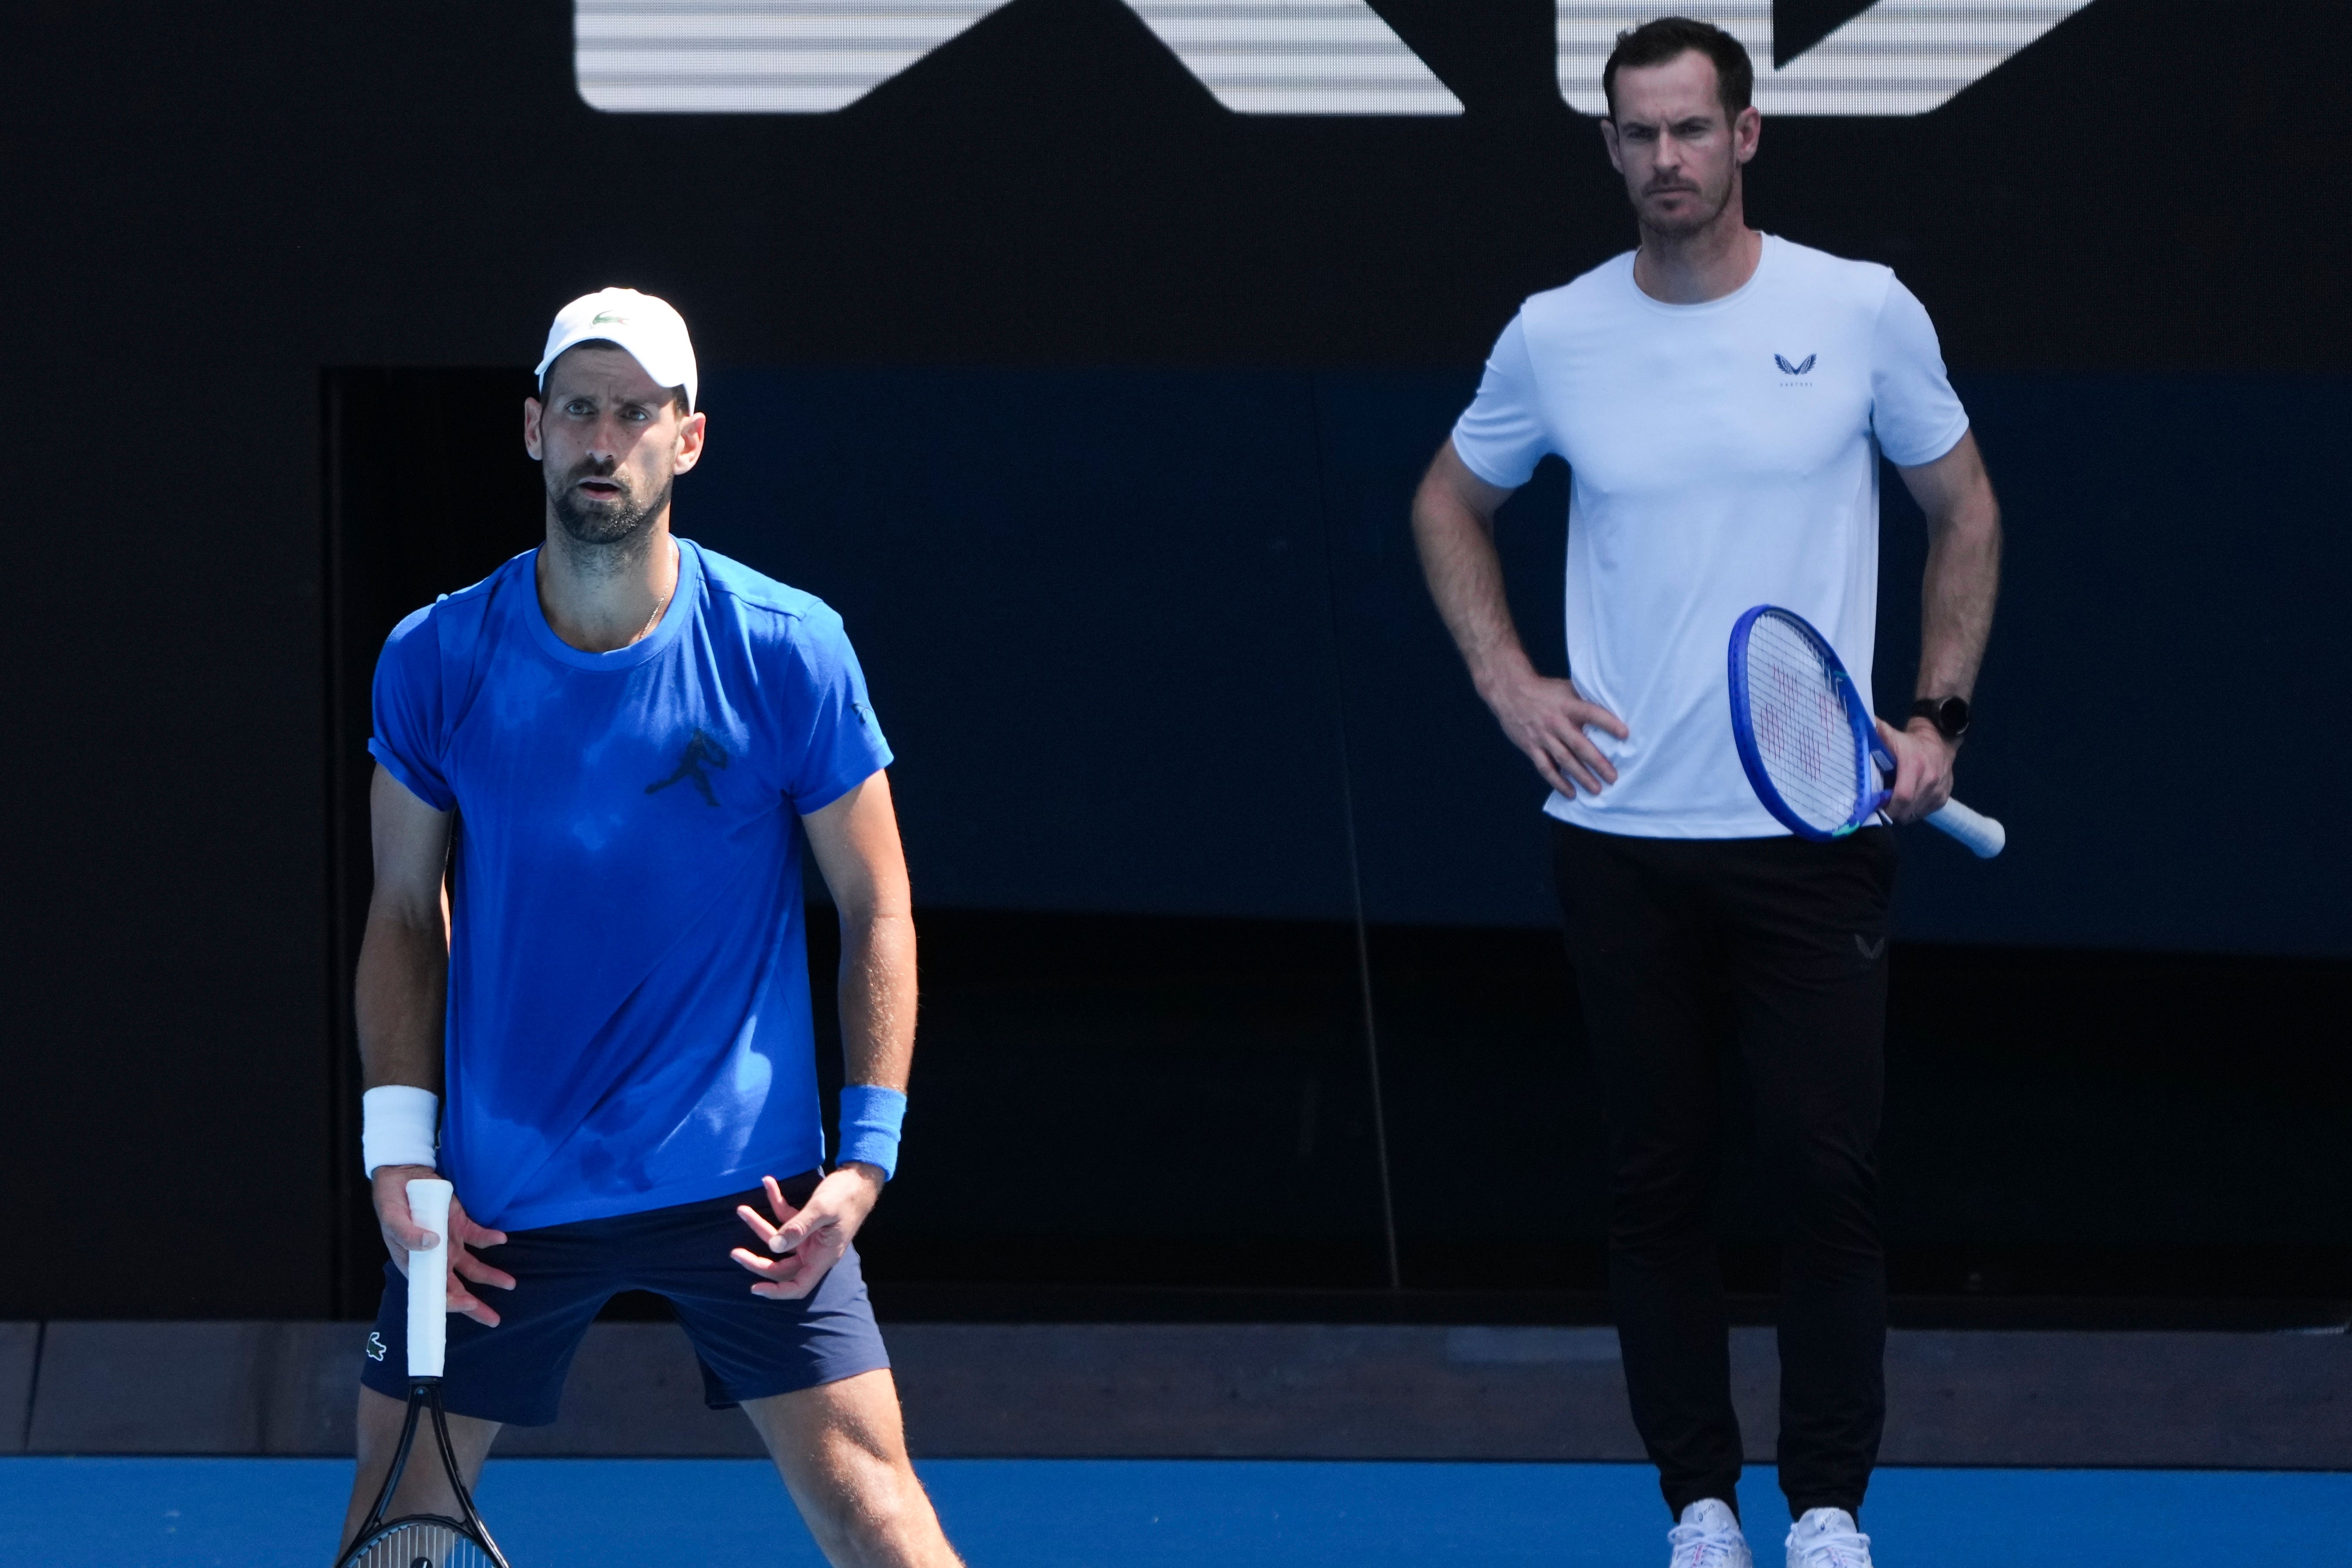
[1722,398]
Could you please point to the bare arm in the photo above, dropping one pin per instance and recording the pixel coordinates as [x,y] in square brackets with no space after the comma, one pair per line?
[1963,568]
[404,973]
[856,843]
[403,979]
[1963,579]
[1453,528]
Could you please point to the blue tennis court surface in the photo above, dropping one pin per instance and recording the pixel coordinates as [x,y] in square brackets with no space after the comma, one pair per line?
[1134,1513]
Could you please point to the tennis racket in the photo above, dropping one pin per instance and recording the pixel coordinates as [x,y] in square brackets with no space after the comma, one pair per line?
[1807,742]
[425,1540]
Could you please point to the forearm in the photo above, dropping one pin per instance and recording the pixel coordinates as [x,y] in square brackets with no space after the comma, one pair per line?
[404,976]
[1963,579]
[1457,545]
[877,997]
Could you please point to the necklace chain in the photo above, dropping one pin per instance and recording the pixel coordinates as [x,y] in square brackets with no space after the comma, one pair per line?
[646,630]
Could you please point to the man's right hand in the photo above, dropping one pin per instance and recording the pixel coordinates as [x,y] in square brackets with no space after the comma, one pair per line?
[402,1236]
[1547,720]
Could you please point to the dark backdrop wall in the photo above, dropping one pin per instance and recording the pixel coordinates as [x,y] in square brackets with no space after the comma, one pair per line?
[2132,236]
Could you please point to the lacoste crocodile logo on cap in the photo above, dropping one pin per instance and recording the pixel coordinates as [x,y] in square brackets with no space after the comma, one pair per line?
[1784,364]
[615,317]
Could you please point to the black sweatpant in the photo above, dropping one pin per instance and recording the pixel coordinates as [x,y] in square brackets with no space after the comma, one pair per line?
[1789,937]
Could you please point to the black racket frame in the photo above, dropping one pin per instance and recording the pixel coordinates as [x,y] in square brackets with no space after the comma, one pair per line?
[424,1393]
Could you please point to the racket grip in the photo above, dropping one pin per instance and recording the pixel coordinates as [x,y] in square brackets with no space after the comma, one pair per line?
[428,1278]
[1983,836]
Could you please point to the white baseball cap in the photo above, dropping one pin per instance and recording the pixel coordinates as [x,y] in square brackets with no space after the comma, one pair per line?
[653,332]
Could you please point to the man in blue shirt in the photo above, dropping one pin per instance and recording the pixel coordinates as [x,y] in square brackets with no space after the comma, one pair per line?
[609,752]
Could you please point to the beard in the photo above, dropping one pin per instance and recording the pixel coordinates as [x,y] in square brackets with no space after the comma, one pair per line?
[1706,206]
[611,525]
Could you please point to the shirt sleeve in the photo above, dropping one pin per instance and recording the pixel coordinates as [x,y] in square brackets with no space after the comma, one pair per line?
[1914,411]
[839,740]
[408,736]
[1501,436]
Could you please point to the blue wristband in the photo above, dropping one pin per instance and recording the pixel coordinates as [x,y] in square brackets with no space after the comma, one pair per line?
[870,1117]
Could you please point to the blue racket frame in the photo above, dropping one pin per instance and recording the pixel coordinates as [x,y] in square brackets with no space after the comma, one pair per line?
[1868,747]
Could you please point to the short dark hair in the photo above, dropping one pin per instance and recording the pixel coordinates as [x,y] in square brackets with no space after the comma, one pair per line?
[677,393]
[1655,42]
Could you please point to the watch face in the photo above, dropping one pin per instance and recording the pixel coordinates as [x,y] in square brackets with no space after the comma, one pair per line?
[1952,717]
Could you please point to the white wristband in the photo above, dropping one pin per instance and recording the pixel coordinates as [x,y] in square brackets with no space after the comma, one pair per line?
[397,1126]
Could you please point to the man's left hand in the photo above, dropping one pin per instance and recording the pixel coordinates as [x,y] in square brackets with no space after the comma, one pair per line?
[803,1243]
[1923,769]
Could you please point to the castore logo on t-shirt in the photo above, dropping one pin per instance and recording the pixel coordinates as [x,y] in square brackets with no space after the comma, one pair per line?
[1795,369]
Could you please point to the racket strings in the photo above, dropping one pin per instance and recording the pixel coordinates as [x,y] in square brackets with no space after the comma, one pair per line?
[1797,716]
[419,1543]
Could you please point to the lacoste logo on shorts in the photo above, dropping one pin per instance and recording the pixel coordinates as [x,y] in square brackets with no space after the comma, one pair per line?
[700,752]
[376,1347]
[1869,950]
[1795,369]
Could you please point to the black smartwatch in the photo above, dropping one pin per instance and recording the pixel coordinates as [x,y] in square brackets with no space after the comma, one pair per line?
[1948,714]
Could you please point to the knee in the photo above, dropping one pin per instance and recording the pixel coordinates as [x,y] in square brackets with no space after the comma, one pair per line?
[1660,1198]
[1831,1194]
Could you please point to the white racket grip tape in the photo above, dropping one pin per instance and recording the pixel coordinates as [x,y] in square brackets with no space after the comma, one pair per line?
[1983,836]
[428,1278]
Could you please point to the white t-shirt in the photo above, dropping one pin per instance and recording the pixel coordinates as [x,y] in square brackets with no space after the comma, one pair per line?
[1723,455]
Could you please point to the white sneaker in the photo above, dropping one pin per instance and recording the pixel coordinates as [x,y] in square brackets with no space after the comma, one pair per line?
[1827,1538]
[1708,1537]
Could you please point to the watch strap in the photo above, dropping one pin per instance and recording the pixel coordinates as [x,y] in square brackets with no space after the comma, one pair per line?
[1948,714]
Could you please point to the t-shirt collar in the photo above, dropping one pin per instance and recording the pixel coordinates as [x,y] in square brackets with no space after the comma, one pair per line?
[1764,263]
[672,626]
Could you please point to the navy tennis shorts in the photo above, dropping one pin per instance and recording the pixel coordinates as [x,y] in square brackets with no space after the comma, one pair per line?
[750,1347]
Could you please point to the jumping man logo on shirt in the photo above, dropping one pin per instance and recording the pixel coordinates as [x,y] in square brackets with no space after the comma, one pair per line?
[700,750]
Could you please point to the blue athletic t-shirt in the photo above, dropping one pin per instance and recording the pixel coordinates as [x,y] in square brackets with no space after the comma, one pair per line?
[628,1015]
